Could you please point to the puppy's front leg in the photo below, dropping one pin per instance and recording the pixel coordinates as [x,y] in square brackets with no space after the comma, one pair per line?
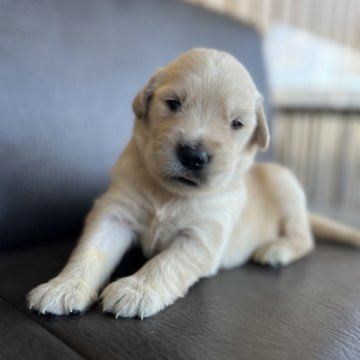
[164,278]
[105,239]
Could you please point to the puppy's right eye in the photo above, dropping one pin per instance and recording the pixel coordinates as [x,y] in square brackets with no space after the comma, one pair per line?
[236,124]
[173,105]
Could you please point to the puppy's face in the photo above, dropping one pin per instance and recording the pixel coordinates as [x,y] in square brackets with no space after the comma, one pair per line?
[199,121]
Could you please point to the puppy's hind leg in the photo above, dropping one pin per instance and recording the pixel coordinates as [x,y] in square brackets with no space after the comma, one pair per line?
[295,241]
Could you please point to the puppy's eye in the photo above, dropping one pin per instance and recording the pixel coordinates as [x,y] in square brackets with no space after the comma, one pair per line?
[173,105]
[236,124]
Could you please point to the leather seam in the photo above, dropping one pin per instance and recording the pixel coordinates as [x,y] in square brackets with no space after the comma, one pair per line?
[43,327]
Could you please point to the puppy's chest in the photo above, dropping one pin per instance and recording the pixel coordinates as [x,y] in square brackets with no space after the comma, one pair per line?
[160,228]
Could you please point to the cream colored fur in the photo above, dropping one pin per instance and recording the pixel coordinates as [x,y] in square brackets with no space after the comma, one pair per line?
[241,211]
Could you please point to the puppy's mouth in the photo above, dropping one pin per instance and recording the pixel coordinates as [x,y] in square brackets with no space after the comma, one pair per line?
[188,178]
[185,180]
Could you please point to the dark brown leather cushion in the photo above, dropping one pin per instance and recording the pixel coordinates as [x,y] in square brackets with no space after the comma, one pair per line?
[309,310]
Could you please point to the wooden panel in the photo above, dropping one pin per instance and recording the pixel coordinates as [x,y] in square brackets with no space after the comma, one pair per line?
[323,150]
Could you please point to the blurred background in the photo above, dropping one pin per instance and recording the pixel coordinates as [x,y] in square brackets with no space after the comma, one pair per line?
[312,54]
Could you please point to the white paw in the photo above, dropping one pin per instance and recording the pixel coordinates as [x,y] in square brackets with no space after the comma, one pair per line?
[274,254]
[60,297]
[130,296]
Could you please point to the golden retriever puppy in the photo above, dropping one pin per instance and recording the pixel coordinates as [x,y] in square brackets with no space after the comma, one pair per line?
[186,191]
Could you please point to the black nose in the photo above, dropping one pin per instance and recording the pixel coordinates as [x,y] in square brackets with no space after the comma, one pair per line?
[192,157]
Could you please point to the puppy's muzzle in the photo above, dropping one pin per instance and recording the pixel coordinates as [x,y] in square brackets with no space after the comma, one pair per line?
[192,157]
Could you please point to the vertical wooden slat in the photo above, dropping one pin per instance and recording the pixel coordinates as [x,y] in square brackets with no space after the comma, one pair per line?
[312,156]
[350,157]
[306,160]
[266,14]
[293,144]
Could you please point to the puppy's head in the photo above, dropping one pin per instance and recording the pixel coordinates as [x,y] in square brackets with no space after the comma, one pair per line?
[199,121]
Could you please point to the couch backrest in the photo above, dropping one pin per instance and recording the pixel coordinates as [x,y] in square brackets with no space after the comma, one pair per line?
[68,73]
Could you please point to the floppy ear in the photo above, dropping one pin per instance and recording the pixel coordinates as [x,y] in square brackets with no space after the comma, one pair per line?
[142,99]
[262,134]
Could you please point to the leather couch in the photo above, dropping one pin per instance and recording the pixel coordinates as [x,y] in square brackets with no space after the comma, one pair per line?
[68,72]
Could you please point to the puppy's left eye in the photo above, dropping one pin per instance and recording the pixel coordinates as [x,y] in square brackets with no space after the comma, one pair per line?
[173,105]
[236,124]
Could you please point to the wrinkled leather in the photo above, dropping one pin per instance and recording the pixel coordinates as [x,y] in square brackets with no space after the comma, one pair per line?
[23,338]
[68,73]
[308,310]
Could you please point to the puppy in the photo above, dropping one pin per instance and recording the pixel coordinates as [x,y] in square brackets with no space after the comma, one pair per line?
[186,191]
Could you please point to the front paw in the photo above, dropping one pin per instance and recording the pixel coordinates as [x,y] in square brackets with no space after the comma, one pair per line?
[132,296]
[60,297]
